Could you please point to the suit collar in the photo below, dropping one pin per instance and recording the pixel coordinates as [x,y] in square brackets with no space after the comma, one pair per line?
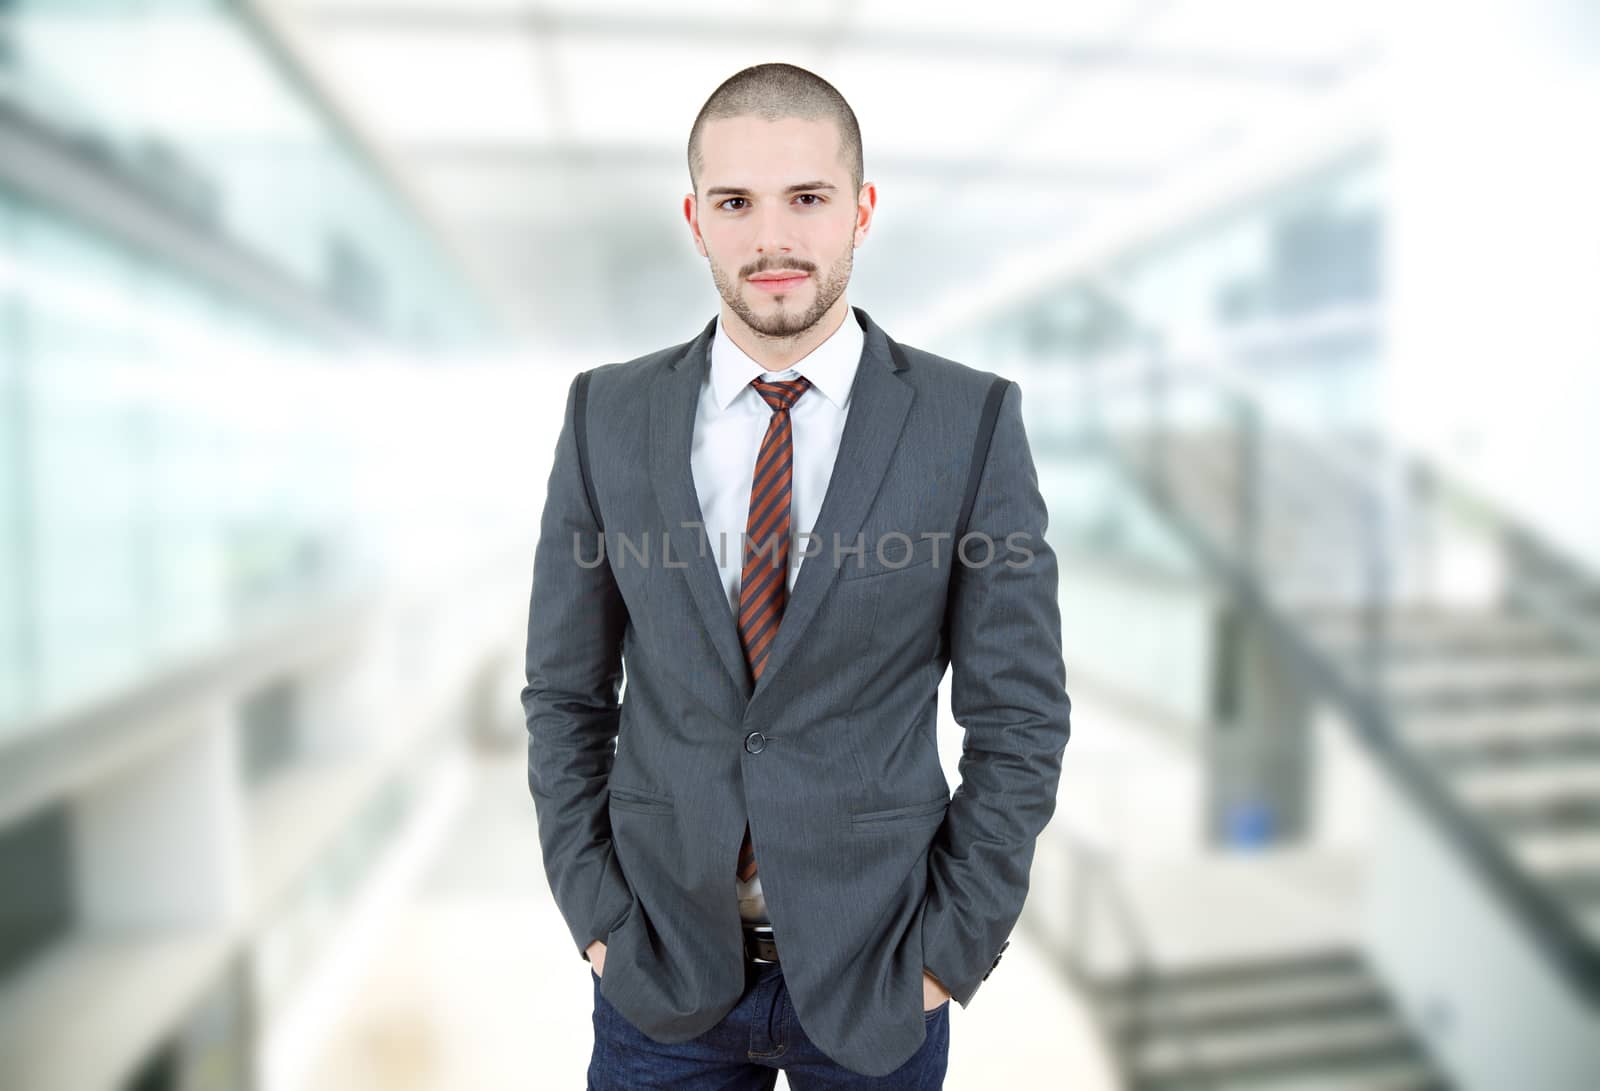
[879,403]
[877,347]
[830,367]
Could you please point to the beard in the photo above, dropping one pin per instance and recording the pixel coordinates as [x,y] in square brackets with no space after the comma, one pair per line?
[784,321]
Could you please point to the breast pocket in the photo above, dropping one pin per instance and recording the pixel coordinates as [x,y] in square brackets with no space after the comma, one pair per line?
[636,799]
[893,556]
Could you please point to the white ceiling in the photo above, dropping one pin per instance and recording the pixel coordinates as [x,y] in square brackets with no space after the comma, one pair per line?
[549,137]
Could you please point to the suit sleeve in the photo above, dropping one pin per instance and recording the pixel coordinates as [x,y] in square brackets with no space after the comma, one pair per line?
[576,621]
[1008,692]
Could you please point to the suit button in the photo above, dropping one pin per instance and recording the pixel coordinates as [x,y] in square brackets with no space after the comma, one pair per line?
[996,961]
[755,742]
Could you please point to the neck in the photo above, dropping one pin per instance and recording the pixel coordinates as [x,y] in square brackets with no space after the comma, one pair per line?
[778,353]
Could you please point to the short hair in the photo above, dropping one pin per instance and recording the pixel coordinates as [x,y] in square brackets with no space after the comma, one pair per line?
[775,91]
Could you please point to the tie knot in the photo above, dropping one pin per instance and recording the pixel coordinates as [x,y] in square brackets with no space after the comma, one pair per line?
[781,395]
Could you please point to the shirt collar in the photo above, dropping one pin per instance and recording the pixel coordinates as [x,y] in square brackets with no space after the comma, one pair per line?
[830,367]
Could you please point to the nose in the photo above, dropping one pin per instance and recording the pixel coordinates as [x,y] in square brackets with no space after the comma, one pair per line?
[772,232]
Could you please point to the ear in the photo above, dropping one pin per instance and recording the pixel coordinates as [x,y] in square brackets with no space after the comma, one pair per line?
[866,205]
[691,213]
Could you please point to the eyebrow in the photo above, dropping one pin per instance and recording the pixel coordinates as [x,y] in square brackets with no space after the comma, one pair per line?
[739,191]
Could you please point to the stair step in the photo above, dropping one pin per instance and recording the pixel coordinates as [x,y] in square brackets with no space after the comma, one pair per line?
[1497,751]
[1579,890]
[1385,1074]
[1316,1021]
[1530,798]
[1565,813]
[1282,532]
[1542,717]
[1398,1074]
[1590,920]
[1267,970]
[1162,1019]
[1554,852]
[1319,1044]
[1490,787]
[1339,991]
[1439,623]
[1303,557]
[1475,681]
[1408,649]
[1576,886]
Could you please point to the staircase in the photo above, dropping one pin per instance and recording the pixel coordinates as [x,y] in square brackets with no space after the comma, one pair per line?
[1318,1020]
[1500,705]
[1464,651]
[1505,711]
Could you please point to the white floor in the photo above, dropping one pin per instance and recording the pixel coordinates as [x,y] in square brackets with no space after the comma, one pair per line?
[475,984]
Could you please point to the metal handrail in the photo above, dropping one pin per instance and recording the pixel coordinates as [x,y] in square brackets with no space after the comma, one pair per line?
[1092,872]
[1420,468]
[1523,541]
[1367,706]
[1216,373]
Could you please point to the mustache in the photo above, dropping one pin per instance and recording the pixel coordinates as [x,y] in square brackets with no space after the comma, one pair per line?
[772,267]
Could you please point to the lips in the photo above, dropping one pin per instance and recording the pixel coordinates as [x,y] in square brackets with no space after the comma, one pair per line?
[779,282]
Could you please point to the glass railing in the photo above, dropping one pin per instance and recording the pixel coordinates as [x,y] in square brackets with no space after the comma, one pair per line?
[1353,552]
[1108,954]
[190,103]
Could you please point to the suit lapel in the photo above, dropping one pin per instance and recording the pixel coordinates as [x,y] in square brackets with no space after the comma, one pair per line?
[879,402]
[673,398]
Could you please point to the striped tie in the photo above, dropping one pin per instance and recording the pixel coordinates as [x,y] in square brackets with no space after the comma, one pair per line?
[763,587]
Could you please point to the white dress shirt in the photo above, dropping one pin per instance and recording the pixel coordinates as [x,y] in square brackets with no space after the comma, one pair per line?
[730,420]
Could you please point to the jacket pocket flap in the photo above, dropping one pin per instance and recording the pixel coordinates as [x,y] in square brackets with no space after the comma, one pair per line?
[637,799]
[896,814]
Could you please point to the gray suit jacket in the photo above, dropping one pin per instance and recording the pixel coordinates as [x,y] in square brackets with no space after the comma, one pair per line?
[871,871]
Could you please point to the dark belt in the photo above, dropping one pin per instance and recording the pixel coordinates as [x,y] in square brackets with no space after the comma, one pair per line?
[759,945]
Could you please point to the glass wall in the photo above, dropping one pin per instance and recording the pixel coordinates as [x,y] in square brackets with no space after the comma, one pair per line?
[165,473]
[1281,291]
[188,100]
[190,442]
[1284,292]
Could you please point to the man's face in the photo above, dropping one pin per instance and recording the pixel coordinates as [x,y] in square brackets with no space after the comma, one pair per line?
[777,219]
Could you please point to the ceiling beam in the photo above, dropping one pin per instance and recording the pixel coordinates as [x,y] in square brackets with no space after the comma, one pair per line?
[439,17]
[301,60]
[633,157]
[1344,128]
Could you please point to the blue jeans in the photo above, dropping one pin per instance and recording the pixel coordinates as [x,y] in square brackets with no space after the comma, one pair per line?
[747,1048]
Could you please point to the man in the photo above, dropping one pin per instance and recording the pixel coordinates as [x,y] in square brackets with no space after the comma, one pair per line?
[761,526]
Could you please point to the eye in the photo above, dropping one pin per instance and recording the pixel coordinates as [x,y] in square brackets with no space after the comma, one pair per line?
[817,197]
[723,203]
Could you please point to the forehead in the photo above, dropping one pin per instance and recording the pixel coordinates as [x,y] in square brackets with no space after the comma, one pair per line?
[752,151]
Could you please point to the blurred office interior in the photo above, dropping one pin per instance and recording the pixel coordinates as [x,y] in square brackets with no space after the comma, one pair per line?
[1302,299]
